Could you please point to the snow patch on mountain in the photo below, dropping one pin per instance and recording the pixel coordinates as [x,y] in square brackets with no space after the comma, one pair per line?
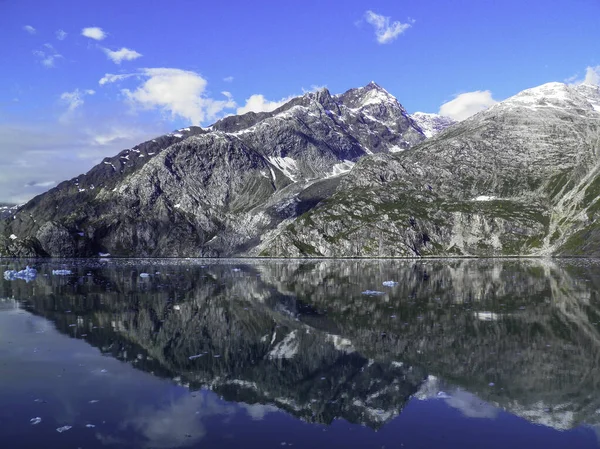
[341,168]
[286,165]
[431,124]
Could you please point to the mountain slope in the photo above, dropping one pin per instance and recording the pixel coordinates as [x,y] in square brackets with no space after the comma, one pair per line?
[519,178]
[213,192]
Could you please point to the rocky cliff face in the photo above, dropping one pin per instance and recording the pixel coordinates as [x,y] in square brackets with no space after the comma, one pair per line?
[519,178]
[340,175]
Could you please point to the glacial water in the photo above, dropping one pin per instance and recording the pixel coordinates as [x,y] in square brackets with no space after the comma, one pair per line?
[301,354]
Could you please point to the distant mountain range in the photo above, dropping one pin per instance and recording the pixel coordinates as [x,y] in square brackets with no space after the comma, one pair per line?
[337,176]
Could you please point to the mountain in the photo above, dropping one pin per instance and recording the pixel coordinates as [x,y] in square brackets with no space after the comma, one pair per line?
[519,178]
[213,192]
[431,124]
[340,175]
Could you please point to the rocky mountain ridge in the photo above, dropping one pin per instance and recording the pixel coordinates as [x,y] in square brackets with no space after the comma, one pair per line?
[337,176]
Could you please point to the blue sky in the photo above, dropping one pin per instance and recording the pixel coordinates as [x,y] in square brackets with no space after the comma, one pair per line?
[58,120]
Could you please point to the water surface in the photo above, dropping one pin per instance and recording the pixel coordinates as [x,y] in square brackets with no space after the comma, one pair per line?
[307,354]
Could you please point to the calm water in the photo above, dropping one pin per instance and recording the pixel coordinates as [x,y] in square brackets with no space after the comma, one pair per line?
[258,354]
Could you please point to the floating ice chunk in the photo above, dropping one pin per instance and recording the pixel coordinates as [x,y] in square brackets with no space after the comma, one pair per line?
[176,307]
[486,316]
[144,275]
[93,401]
[491,384]
[61,272]
[13,237]
[90,426]
[103,254]
[197,356]
[35,421]
[28,274]
[389,283]
[372,293]
[64,429]
[484,198]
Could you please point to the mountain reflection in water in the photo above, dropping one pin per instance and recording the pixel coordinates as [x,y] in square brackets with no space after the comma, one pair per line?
[483,337]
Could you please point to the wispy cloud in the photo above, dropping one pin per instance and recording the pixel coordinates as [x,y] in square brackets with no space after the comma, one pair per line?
[592,75]
[228,79]
[112,78]
[73,100]
[314,88]
[95,33]
[124,54]
[467,104]
[61,35]
[179,93]
[30,29]
[385,30]
[42,184]
[27,150]
[47,56]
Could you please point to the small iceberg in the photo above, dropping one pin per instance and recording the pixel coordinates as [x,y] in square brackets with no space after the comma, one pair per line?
[28,274]
[390,283]
[63,429]
[35,421]
[144,275]
[372,293]
[62,272]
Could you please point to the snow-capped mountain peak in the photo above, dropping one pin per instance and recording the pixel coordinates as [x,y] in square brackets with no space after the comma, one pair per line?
[556,95]
[371,95]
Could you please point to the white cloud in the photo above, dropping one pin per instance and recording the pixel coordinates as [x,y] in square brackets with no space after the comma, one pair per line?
[30,29]
[111,78]
[73,100]
[258,411]
[228,79]
[124,54]
[174,91]
[178,423]
[592,75]
[48,56]
[471,406]
[95,33]
[385,32]
[467,104]
[61,35]
[258,103]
